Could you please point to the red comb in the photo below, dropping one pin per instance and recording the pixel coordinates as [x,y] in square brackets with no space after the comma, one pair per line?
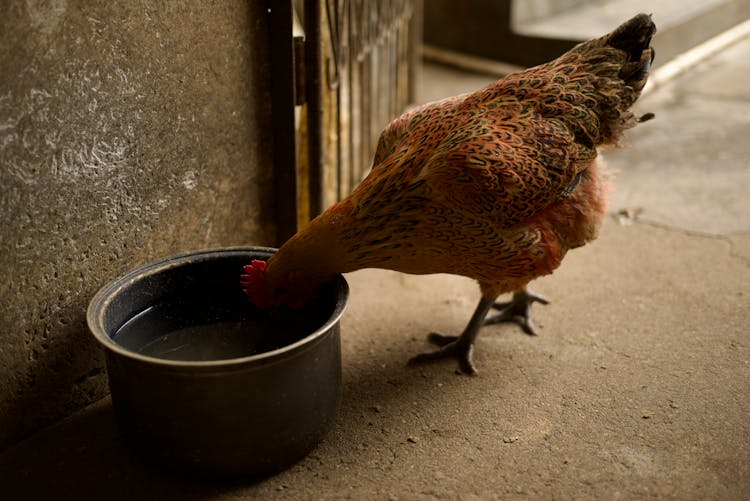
[253,283]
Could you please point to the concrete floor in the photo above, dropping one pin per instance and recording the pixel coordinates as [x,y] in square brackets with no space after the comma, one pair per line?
[638,386]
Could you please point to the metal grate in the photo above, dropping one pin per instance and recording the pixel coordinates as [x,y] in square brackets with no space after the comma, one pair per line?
[369,60]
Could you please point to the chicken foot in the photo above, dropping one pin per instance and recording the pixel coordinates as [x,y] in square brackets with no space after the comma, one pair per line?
[518,310]
[458,347]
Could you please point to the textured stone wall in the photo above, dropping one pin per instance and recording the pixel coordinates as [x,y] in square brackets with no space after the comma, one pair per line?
[128,131]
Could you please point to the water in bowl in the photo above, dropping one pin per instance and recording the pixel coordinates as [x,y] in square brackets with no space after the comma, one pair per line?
[189,331]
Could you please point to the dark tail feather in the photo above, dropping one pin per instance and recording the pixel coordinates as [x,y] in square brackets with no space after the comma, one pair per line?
[635,74]
[633,36]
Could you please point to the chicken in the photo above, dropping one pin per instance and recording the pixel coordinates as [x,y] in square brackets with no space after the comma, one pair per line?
[495,185]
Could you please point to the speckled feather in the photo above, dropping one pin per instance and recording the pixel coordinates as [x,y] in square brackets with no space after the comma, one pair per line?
[495,185]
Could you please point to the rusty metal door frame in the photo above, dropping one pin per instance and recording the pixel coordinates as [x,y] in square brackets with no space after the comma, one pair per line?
[314,99]
[282,122]
[296,78]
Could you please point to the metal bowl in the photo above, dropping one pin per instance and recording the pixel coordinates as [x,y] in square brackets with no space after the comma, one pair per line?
[260,401]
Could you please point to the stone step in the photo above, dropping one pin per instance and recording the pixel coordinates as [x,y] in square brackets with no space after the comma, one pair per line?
[681,24]
[497,37]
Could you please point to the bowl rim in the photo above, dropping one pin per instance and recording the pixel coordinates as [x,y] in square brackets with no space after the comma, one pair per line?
[105,295]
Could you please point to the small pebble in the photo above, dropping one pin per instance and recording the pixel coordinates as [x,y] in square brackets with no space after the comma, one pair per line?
[647,415]
[510,440]
[413,440]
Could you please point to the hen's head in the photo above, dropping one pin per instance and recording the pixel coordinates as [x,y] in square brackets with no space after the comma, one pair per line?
[293,290]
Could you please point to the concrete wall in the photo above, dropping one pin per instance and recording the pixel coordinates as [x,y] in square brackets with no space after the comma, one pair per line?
[128,131]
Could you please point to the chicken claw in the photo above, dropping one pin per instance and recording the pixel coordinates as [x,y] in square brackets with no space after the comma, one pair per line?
[518,310]
[450,347]
[458,347]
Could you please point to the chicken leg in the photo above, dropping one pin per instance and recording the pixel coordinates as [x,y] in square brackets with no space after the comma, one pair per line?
[459,347]
[517,310]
